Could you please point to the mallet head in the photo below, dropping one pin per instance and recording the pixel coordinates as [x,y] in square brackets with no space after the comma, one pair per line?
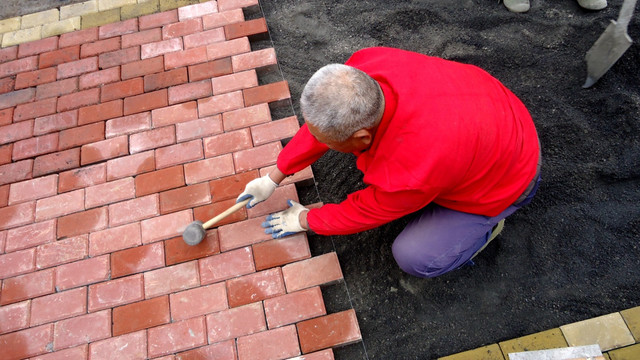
[194,233]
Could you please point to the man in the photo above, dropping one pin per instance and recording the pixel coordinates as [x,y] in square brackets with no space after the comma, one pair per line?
[436,137]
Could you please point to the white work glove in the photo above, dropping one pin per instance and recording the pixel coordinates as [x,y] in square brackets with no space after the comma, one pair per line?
[285,223]
[259,190]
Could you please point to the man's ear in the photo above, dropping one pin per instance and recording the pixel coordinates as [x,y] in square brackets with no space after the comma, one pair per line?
[363,136]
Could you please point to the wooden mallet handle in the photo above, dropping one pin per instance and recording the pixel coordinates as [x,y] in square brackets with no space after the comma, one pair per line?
[225,213]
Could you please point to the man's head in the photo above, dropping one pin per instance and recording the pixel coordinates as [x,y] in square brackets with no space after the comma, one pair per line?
[342,107]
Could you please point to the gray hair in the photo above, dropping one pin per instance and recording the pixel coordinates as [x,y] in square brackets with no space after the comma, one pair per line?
[340,100]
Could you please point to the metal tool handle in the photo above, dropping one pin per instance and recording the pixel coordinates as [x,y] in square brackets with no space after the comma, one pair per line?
[625,13]
[225,213]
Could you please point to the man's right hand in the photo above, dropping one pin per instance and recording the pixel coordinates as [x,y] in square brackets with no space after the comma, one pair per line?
[258,190]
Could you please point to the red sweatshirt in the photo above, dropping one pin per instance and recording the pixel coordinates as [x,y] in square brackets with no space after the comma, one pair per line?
[450,134]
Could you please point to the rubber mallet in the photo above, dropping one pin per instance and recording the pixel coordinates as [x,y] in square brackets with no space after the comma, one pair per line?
[196,231]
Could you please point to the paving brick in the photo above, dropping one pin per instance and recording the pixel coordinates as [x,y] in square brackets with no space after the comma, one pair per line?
[39,18]
[272,344]
[255,287]
[100,112]
[78,352]
[115,293]
[35,78]
[141,315]
[174,114]
[110,192]
[60,205]
[171,279]
[4,199]
[231,186]
[80,273]
[104,150]
[128,346]
[227,143]
[158,20]
[34,109]
[78,67]
[204,213]
[37,47]
[7,85]
[118,28]
[96,48]
[78,37]
[319,270]
[81,178]
[58,306]
[61,252]
[35,146]
[15,132]
[22,36]
[5,153]
[608,331]
[160,48]
[98,78]
[142,67]
[222,18]
[122,89]
[241,234]
[56,162]
[173,4]
[27,343]
[128,124]
[184,58]
[30,236]
[179,153]
[17,66]
[276,202]
[294,307]
[17,215]
[246,117]
[78,99]
[181,28]
[61,27]
[224,5]
[17,97]
[82,222]
[228,48]
[211,69]
[203,38]
[9,53]
[178,251]
[280,252]
[548,339]
[79,9]
[131,11]
[145,102]
[220,351]
[178,336]
[632,318]
[81,135]
[189,91]
[275,130]
[220,103]
[254,60]
[184,198]
[165,226]
[15,317]
[136,260]
[57,88]
[208,169]
[16,171]
[245,28]
[110,4]
[489,352]
[130,165]
[142,37]
[60,56]
[198,128]
[33,189]
[27,286]
[199,301]
[165,79]
[266,93]
[226,265]
[329,331]
[82,329]
[160,180]
[238,81]
[152,139]
[119,57]
[257,157]
[17,263]
[237,322]
[626,353]
[133,210]
[6,116]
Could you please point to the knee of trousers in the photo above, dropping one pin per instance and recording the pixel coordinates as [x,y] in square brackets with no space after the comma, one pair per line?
[422,264]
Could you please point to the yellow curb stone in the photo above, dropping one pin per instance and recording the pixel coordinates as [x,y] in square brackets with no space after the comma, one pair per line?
[135,10]
[7,25]
[39,18]
[549,339]
[100,18]
[174,4]
[21,36]
[61,27]
[632,318]
[112,4]
[490,352]
[79,9]
[608,331]
[627,353]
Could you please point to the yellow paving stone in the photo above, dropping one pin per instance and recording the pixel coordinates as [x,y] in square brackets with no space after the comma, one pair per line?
[608,331]
[490,352]
[7,25]
[61,27]
[78,9]
[549,339]
[39,18]
[174,4]
[632,318]
[140,9]
[112,4]
[21,36]
[606,356]
[100,18]
[626,353]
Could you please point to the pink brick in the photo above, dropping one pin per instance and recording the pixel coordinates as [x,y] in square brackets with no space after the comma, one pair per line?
[98,78]
[134,210]
[273,344]
[61,252]
[110,192]
[116,292]
[171,279]
[77,67]
[78,37]
[30,235]
[104,111]
[146,102]
[208,169]
[82,273]
[119,57]
[114,239]
[175,337]
[138,259]
[179,154]
[78,99]
[17,263]
[241,234]
[233,82]
[37,47]
[8,54]
[220,103]
[5,154]
[35,109]
[6,116]
[189,91]
[254,60]
[257,157]
[17,215]
[131,165]
[204,38]
[210,69]
[280,252]
[142,67]
[15,132]
[53,58]
[27,286]
[82,329]
[165,79]
[152,139]
[128,124]
[184,58]
[275,130]
[197,10]
[236,322]
[224,5]
[227,265]
[56,122]
[82,222]
[223,18]
[35,146]
[56,162]
[15,317]
[294,307]
[329,331]
[58,306]
[181,28]
[184,198]
[122,89]
[220,351]
[142,37]
[174,114]
[27,343]
[228,48]
[157,20]
[81,177]
[118,28]
[81,135]
[276,202]
[17,97]
[99,47]
[78,352]
[160,48]
[227,143]
[242,118]
[33,189]
[18,66]
[199,301]
[104,150]
[128,346]
[198,128]
[35,78]
[318,270]
[166,226]
[60,205]
[255,287]
[160,180]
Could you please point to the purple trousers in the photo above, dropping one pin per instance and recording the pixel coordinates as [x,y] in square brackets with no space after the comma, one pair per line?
[440,240]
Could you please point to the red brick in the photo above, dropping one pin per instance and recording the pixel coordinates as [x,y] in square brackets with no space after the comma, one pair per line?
[82,329]
[239,81]
[35,146]
[318,270]
[157,20]
[17,215]
[33,189]
[16,171]
[119,57]
[129,346]
[329,331]
[179,154]
[245,28]
[174,114]
[38,46]
[78,352]
[145,102]
[16,316]
[224,5]
[141,315]
[189,91]
[15,132]
[280,252]
[237,322]
[115,293]
[35,78]
[220,103]
[4,199]
[275,130]
[160,180]
[78,37]
[110,192]
[30,236]
[58,306]
[81,135]
[241,234]
[198,128]
[118,28]
[138,259]
[204,213]
[178,29]
[294,307]
[178,251]
[225,266]
[142,37]
[257,157]
[122,89]
[78,99]
[266,93]
[114,239]
[27,343]
[184,58]
[165,79]
[98,47]
[82,222]
[34,109]
[171,279]
[60,205]
[165,226]
[208,169]
[199,301]
[276,202]
[152,139]
[78,67]
[6,116]
[134,210]
[17,97]
[184,198]
[27,286]
[8,84]
[231,186]
[128,124]
[196,10]
[255,287]
[228,48]
[5,153]
[222,18]
[178,336]
[227,143]
[99,112]
[254,60]
[61,252]
[272,344]
[210,69]
[84,272]
[160,48]
[17,263]
[18,66]
[81,178]
[56,162]
[243,118]
[220,351]
[142,67]
[8,54]
[204,38]
[104,150]
[131,165]
[61,56]
[98,78]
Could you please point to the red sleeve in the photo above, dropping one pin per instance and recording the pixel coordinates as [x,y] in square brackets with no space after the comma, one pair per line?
[302,151]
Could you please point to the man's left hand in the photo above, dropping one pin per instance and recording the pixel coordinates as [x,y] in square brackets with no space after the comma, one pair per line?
[285,223]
